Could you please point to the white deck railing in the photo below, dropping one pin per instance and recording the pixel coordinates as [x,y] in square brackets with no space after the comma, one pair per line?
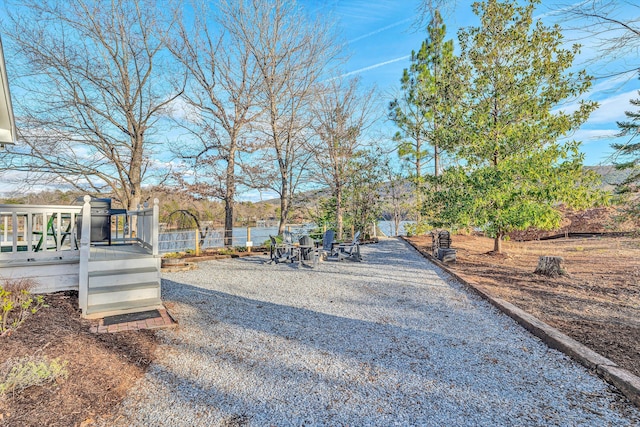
[145,231]
[36,232]
[49,232]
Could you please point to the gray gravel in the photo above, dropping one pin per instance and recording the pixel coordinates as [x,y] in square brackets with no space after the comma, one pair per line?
[389,341]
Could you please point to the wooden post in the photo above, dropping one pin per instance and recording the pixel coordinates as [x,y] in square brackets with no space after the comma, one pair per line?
[155,227]
[375,232]
[85,250]
[197,241]
[324,228]
[249,242]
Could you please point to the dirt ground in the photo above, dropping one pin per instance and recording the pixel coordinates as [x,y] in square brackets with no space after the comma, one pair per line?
[101,367]
[596,303]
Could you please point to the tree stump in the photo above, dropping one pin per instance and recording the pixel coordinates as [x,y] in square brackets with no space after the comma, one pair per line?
[446,255]
[550,266]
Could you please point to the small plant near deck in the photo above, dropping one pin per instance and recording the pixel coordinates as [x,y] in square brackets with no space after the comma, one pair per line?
[172,255]
[17,303]
[241,249]
[19,374]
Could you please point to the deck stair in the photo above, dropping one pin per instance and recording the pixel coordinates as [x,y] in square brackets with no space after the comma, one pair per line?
[123,285]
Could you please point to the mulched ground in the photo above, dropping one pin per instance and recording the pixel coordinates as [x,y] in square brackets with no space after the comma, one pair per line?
[597,303]
[102,367]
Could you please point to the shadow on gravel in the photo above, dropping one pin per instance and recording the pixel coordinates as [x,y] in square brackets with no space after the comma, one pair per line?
[388,341]
[319,361]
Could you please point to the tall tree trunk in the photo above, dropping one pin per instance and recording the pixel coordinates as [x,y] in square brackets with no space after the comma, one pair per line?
[418,186]
[284,205]
[339,214]
[228,222]
[436,160]
[133,202]
[230,183]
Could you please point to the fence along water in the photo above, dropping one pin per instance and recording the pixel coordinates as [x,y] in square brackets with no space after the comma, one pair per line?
[183,240]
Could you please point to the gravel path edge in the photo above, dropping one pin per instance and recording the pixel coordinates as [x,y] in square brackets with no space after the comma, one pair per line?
[626,382]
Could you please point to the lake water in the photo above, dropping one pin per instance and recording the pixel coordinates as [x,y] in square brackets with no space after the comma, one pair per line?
[177,241]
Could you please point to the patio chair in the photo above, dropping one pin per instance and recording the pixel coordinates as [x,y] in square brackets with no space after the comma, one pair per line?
[287,238]
[327,244]
[292,248]
[279,252]
[351,250]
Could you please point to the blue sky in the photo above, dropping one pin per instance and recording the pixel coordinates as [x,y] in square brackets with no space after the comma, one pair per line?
[380,35]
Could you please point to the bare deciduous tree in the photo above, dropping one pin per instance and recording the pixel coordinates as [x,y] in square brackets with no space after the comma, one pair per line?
[222,89]
[90,92]
[341,114]
[613,28]
[293,53]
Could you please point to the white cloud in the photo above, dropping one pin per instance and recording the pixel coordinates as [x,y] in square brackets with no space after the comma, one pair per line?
[179,109]
[257,195]
[612,109]
[558,11]
[591,135]
[614,83]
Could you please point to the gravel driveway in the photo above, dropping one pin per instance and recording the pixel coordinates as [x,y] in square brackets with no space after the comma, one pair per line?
[389,341]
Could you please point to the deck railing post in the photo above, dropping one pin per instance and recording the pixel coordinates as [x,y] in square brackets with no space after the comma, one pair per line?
[14,225]
[155,227]
[85,242]
[28,230]
[139,225]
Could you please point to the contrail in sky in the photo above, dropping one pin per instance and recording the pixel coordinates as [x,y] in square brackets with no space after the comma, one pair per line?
[563,9]
[379,30]
[379,64]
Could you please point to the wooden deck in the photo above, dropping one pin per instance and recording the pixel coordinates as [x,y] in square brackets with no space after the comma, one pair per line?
[111,279]
[117,251]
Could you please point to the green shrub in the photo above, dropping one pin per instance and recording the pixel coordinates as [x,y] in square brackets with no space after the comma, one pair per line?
[19,374]
[241,249]
[417,229]
[172,255]
[17,303]
[267,243]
